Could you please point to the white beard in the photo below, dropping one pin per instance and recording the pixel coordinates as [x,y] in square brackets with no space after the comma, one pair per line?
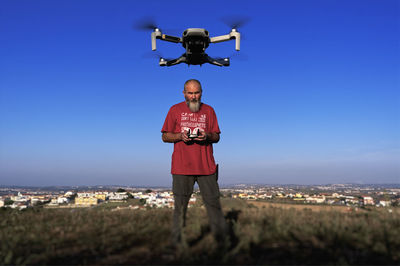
[194,106]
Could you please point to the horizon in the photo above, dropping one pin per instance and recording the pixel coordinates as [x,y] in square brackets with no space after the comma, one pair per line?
[312,97]
[222,185]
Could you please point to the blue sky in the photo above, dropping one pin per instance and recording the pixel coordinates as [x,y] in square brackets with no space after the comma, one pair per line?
[316,101]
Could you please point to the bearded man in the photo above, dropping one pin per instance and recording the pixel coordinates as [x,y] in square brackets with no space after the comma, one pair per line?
[193,127]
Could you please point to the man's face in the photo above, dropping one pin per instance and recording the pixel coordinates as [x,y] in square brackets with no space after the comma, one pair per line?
[192,95]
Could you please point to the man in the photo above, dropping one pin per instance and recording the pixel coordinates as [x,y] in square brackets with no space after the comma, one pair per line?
[192,126]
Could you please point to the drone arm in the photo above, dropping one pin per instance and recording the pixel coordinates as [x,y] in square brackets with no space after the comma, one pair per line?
[170,38]
[156,34]
[223,38]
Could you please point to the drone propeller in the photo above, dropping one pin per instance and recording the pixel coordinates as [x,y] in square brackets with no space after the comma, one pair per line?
[149,24]
[235,22]
[145,24]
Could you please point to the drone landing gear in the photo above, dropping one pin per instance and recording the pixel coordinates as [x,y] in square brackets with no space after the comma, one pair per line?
[205,59]
[164,62]
[218,61]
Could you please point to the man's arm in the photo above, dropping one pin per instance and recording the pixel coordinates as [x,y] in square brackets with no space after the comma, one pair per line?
[170,137]
[210,137]
[175,137]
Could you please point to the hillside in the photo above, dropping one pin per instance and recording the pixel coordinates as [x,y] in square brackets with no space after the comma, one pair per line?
[267,234]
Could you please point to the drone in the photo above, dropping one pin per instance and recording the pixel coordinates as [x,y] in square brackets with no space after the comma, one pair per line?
[195,41]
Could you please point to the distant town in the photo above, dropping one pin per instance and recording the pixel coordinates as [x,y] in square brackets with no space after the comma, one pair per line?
[355,195]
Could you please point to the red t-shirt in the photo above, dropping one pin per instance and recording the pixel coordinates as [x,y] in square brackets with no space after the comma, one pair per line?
[191,158]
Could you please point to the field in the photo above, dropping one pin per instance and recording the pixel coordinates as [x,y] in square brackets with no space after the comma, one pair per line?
[267,234]
[312,207]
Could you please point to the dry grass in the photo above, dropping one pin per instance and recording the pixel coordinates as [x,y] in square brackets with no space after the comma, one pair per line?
[318,208]
[273,234]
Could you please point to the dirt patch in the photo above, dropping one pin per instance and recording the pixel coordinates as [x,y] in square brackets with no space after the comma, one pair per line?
[317,208]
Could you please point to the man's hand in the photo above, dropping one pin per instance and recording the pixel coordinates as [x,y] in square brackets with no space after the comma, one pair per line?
[185,137]
[210,137]
[202,136]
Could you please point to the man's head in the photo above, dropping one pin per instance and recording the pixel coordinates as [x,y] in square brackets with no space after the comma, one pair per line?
[192,92]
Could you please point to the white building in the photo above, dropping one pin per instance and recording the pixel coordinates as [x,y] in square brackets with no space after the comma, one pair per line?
[367,200]
[69,194]
[162,200]
[384,203]
[34,201]
[20,198]
[316,199]
[19,205]
[350,200]
[53,201]
[85,194]
[118,196]
[61,200]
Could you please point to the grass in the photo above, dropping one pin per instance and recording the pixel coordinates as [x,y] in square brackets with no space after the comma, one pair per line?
[267,235]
